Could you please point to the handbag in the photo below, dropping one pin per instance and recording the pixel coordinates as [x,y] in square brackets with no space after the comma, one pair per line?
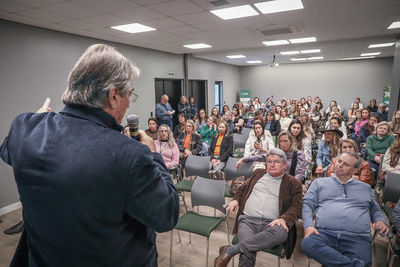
[236,184]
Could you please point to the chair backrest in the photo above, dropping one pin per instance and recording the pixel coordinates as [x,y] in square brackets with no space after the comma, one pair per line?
[197,166]
[392,188]
[208,192]
[239,140]
[231,172]
[246,131]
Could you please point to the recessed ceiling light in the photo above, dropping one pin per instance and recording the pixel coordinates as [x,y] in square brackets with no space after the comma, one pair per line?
[235,12]
[298,59]
[314,58]
[310,51]
[285,53]
[355,58]
[370,54]
[254,61]
[276,42]
[380,45]
[197,46]
[394,25]
[236,56]
[303,40]
[279,6]
[133,28]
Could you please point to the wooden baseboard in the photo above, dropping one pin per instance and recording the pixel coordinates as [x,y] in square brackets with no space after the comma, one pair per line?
[10,208]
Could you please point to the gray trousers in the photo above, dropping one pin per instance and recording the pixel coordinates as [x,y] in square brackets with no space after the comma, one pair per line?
[255,235]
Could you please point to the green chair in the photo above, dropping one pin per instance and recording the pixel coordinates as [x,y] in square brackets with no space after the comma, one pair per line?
[278,250]
[205,192]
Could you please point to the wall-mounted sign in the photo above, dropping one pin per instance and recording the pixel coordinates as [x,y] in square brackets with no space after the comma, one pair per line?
[245,96]
[171,74]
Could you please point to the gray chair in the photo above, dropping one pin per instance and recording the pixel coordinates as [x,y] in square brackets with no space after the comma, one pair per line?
[231,172]
[239,140]
[246,131]
[205,192]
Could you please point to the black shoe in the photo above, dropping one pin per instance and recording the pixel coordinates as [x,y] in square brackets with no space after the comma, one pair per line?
[16,229]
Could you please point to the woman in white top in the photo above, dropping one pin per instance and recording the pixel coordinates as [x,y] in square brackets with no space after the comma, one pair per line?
[301,141]
[258,143]
[284,120]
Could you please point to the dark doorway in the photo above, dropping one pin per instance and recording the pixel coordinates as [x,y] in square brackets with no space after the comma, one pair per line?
[218,95]
[198,89]
[171,87]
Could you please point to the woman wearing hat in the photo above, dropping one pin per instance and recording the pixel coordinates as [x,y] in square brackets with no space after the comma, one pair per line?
[328,148]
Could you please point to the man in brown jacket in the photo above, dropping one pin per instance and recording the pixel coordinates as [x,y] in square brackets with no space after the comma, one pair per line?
[269,205]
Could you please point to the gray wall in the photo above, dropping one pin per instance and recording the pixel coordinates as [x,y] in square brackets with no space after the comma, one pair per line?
[340,80]
[35,64]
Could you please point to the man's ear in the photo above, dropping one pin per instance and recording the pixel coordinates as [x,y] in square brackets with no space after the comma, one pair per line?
[112,98]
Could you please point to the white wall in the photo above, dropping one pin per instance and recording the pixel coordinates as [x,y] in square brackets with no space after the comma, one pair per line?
[35,63]
[340,80]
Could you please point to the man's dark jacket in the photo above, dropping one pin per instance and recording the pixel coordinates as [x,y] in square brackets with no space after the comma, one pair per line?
[290,203]
[90,195]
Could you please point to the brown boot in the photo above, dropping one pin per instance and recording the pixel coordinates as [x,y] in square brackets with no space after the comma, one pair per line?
[223,259]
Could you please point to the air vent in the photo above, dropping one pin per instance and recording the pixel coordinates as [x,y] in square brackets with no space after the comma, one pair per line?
[298,28]
[219,2]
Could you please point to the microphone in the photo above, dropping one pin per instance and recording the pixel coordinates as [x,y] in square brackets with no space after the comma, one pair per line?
[133,124]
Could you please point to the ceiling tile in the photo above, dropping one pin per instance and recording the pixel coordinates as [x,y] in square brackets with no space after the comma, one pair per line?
[138,14]
[149,2]
[182,30]
[80,24]
[107,6]
[174,8]
[164,23]
[42,15]
[71,10]
[12,7]
[106,20]
[37,3]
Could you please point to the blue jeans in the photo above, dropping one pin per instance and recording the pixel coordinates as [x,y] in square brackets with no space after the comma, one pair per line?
[336,248]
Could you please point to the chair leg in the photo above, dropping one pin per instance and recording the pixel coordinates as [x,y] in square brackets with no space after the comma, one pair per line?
[391,261]
[179,236]
[190,239]
[208,246]
[227,232]
[279,261]
[308,262]
[183,199]
[170,249]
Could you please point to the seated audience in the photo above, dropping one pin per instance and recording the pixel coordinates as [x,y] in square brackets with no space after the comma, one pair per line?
[152,131]
[221,148]
[180,127]
[372,107]
[301,141]
[382,112]
[272,125]
[207,132]
[358,101]
[309,125]
[360,123]
[351,123]
[189,143]
[351,114]
[343,209]
[215,113]
[228,117]
[225,108]
[395,123]
[364,173]
[284,120]
[249,114]
[251,120]
[314,113]
[391,158]
[193,108]
[259,225]
[166,146]
[257,104]
[337,123]
[327,148]
[238,120]
[296,160]
[377,144]
[277,111]
[331,107]
[366,130]
[202,120]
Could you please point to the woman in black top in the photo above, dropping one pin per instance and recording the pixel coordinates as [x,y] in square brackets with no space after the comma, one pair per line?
[180,127]
[237,120]
[272,125]
[372,107]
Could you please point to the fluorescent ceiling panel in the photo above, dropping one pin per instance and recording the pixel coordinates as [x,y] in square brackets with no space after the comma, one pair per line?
[276,42]
[355,58]
[279,6]
[394,25]
[197,46]
[310,51]
[380,45]
[303,40]
[254,61]
[133,28]
[285,53]
[235,12]
[370,54]
[298,59]
[314,58]
[236,56]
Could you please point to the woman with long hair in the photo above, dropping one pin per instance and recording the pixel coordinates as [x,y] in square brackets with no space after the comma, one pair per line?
[237,120]
[215,113]
[351,114]
[166,146]
[300,140]
[361,122]
[391,158]
[180,127]
[327,148]
[152,131]
[296,161]
[220,149]
[193,108]
[364,173]
[207,132]
[366,130]
[395,123]
[372,107]
[284,120]
[228,118]
[271,124]
[225,108]
[202,120]
[189,143]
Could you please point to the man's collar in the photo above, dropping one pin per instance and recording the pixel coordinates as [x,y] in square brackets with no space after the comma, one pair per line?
[96,115]
[337,179]
[278,177]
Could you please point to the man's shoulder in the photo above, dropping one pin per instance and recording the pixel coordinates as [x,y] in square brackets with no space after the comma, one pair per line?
[291,180]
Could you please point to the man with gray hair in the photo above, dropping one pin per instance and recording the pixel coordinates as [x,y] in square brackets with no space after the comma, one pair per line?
[268,204]
[91,196]
[344,208]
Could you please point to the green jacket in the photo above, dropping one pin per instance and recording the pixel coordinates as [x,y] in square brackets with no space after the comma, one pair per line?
[207,134]
[378,146]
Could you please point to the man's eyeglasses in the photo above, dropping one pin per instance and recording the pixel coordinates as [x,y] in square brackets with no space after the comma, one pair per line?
[132,96]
